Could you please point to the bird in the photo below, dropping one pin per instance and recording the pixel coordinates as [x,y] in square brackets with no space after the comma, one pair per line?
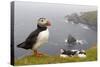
[82,54]
[38,37]
[67,53]
[72,53]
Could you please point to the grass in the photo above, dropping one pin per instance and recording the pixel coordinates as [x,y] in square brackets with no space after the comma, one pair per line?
[30,60]
[90,17]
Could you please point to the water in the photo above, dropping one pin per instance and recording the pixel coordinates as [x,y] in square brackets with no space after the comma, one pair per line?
[26,15]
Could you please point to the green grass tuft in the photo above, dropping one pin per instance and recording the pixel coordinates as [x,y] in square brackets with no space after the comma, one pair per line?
[30,60]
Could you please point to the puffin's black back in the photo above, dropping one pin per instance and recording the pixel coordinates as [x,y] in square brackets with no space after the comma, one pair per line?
[69,52]
[32,38]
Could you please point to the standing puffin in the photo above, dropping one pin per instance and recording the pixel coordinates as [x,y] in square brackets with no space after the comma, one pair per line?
[37,37]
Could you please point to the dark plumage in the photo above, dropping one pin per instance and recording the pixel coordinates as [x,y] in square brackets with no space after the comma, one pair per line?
[32,38]
[72,53]
[68,52]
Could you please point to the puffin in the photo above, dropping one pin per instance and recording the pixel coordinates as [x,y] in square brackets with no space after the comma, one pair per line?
[72,53]
[38,37]
[67,53]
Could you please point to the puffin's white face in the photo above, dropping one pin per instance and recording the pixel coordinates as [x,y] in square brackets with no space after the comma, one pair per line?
[44,22]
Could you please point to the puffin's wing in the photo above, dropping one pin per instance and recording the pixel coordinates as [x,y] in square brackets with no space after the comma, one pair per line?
[21,45]
[30,40]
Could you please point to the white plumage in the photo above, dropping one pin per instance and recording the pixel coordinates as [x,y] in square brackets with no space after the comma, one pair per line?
[81,55]
[63,55]
[72,53]
[42,38]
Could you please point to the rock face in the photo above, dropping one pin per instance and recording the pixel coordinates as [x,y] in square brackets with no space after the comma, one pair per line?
[87,18]
[71,39]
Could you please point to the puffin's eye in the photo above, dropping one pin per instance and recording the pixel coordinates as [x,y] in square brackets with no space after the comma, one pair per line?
[42,20]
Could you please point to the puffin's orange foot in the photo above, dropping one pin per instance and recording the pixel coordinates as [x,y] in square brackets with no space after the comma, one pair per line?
[37,54]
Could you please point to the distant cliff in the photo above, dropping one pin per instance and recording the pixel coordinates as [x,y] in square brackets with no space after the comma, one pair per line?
[88,18]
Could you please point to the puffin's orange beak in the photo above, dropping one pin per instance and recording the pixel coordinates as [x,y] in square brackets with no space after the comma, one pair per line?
[48,23]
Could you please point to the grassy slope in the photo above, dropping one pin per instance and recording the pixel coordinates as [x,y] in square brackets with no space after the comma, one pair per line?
[91,56]
[91,17]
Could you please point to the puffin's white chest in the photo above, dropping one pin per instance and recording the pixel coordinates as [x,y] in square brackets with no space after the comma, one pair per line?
[42,38]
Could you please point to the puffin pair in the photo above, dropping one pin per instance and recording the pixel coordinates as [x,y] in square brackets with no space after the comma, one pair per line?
[37,37]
